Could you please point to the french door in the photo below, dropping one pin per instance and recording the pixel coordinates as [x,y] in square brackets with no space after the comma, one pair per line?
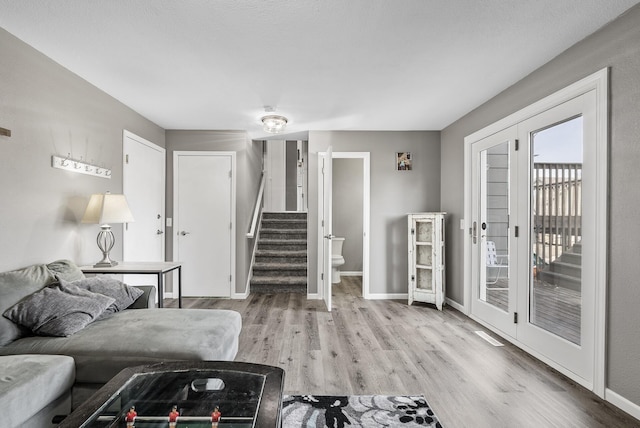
[534,233]
[495,206]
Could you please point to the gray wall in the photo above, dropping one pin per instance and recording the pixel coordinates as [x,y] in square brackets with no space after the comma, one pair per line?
[348,185]
[394,194]
[248,174]
[53,111]
[616,46]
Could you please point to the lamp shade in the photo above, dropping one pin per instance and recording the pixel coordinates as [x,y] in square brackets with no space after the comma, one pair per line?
[107,208]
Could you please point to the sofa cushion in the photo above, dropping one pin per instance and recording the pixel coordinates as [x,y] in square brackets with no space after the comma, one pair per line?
[122,294]
[29,383]
[65,269]
[135,337]
[58,310]
[15,286]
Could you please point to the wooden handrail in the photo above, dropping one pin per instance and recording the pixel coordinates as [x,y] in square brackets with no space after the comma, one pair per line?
[256,212]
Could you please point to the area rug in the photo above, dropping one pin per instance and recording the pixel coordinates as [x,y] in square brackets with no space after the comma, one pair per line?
[370,411]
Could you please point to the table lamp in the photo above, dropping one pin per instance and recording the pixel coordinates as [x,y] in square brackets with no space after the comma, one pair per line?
[104,209]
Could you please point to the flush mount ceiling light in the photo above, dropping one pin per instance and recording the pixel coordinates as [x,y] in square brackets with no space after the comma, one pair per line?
[274,123]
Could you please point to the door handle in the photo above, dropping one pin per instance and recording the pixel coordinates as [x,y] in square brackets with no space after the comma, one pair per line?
[329,236]
[159,232]
[183,233]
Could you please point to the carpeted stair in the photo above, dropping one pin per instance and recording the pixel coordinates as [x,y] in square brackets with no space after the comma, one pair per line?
[281,258]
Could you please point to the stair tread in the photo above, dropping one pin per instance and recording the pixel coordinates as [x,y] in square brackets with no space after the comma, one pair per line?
[287,253]
[283,241]
[279,280]
[284,220]
[281,266]
[284,231]
[278,288]
[561,276]
[566,264]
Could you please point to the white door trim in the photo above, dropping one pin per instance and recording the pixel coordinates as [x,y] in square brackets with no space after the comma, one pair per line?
[141,140]
[366,212]
[597,82]
[176,154]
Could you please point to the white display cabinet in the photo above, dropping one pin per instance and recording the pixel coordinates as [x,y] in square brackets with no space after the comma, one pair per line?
[426,258]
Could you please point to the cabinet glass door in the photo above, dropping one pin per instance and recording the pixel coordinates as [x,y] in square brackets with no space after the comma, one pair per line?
[424,255]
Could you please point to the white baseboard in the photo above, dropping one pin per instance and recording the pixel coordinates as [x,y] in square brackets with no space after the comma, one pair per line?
[622,403]
[314,296]
[387,296]
[350,273]
[455,305]
[241,296]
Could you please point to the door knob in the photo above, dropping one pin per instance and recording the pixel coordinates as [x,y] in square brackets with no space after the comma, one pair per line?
[329,236]
[159,232]
[184,232]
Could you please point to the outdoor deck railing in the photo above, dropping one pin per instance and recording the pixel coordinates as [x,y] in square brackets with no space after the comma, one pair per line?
[556,209]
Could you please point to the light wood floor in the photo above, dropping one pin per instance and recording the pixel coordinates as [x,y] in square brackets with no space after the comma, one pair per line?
[388,347]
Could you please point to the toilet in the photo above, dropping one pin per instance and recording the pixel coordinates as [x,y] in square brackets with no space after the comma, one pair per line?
[336,259]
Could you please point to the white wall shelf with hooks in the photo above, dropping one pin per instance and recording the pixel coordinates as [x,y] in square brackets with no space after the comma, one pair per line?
[79,166]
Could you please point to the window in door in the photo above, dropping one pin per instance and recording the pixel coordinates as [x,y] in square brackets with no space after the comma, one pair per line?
[556,219]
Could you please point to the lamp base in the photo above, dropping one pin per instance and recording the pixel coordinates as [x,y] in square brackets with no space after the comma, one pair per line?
[102,264]
[105,242]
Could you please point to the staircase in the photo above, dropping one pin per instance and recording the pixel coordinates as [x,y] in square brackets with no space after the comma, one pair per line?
[566,270]
[280,265]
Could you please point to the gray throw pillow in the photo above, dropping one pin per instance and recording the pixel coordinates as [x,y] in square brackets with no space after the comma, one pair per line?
[123,294]
[15,286]
[58,310]
[65,269]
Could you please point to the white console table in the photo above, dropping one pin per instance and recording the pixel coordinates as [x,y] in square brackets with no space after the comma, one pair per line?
[142,268]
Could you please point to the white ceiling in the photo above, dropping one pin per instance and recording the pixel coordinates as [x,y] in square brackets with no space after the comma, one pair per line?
[325,64]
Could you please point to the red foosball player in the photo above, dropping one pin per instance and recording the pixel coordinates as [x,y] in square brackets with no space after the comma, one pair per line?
[215,417]
[173,417]
[131,417]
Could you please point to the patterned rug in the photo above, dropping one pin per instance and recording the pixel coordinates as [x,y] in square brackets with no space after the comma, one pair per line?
[370,411]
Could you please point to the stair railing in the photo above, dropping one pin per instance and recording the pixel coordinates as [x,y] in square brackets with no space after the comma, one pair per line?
[256,211]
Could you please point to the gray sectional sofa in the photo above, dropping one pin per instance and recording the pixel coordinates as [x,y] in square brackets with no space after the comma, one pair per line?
[141,334]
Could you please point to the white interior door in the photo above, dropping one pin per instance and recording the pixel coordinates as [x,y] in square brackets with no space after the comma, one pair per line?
[143,183]
[326,230]
[204,214]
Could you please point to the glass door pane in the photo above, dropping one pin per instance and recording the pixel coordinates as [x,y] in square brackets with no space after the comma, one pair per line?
[424,255]
[555,285]
[494,225]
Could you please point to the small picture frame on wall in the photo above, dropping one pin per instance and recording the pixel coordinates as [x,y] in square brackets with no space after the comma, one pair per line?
[404,161]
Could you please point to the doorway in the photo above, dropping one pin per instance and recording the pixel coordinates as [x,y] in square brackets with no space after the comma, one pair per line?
[204,222]
[332,175]
[285,169]
[350,206]
[536,250]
